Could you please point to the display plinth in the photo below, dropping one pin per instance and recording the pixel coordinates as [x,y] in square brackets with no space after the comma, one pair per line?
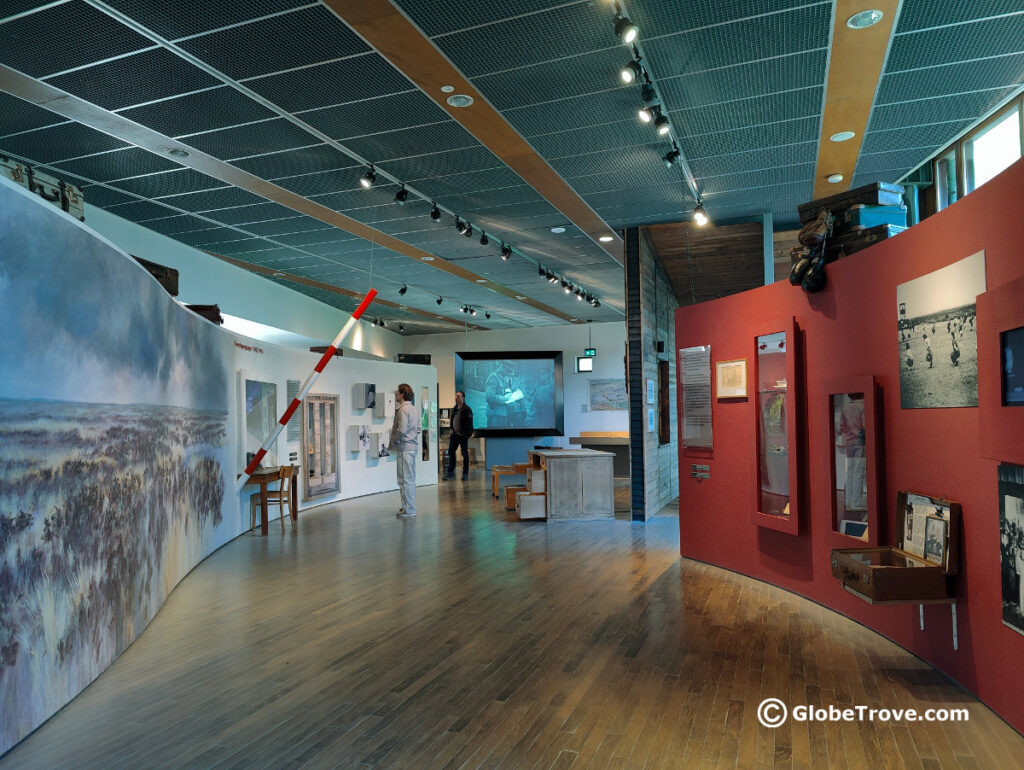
[579,484]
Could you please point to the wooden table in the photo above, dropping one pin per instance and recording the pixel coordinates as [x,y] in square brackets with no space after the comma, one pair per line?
[266,476]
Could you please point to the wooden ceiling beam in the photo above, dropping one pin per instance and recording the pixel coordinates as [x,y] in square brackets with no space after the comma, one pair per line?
[387,29]
[854,70]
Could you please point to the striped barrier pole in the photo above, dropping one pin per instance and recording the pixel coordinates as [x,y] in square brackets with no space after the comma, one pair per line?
[327,356]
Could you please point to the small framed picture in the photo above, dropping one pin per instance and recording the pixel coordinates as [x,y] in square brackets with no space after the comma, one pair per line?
[935,530]
[731,378]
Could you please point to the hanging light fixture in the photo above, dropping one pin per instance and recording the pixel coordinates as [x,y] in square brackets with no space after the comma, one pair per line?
[401,196]
[484,240]
[404,289]
[700,216]
[435,213]
[368,178]
[439,300]
[506,252]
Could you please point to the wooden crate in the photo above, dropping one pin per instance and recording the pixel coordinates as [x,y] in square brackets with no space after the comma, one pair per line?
[510,495]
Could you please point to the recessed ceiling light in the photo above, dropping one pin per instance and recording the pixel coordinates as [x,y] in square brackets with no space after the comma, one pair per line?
[605,238]
[520,296]
[178,153]
[277,275]
[842,136]
[427,259]
[481,280]
[558,230]
[447,89]
[574,319]
[864,19]
[459,100]
[834,178]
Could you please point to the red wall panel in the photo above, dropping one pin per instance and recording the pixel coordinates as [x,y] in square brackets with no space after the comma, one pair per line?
[849,329]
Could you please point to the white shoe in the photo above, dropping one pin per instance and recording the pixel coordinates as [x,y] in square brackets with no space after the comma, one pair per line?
[405,515]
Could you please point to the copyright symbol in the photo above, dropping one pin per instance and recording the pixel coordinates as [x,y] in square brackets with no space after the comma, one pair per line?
[772,712]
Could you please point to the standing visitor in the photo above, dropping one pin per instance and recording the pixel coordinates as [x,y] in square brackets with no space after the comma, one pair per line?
[405,442]
[462,429]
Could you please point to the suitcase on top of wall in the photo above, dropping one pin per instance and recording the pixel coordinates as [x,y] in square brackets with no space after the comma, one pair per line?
[863,215]
[65,196]
[845,244]
[877,194]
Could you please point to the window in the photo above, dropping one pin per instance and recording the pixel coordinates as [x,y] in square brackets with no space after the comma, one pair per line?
[992,149]
[945,180]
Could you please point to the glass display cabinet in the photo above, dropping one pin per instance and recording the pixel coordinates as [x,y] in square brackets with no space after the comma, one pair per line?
[777,406]
[855,481]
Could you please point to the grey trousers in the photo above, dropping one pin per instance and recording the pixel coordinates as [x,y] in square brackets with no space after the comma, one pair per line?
[407,479]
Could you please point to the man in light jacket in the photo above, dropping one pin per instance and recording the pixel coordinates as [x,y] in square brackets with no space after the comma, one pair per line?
[405,434]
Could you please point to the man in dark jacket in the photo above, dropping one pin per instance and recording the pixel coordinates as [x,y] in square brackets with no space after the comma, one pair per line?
[462,429]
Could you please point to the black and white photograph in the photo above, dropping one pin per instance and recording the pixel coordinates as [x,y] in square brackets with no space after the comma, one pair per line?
[935,539]
[1011,543]
[1012,360]
[937,336]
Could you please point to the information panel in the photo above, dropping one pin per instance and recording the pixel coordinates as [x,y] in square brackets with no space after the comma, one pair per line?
[695,368]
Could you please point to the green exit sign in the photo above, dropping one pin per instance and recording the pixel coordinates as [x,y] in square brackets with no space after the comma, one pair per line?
[590,352]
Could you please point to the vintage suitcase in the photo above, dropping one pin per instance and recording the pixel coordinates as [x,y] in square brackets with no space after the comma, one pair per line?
[209,312]
[851,242]
[15,171]
[919,568]
[862,215]
[167,276]
[877,194]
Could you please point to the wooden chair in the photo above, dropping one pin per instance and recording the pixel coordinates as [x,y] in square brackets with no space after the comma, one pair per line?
[281,496]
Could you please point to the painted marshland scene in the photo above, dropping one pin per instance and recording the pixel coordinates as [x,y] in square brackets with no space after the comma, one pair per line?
[103,509]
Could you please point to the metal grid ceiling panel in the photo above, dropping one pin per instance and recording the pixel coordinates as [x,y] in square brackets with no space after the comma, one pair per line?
[210,237]
[744,139]
[409,142]
[792,31]
[169,183]
[17,115]
[63,37]
[371,116]
[768,157]
[786,73]
[574,113]
[278,43]
[188,17]
[210,200]
[625,161]
[142,77]
[562,79]
[67,140]
[361,77]
[525,40]
[715,179]
[435,17]
[951,79]
[119,164]
[103,197]
[933,47]
[195,113]
[178,224]
[140,211]
[258,212]
[610,136]
[912,136]
[290,163]
[312,185]
[472,181]
[273,227]
[925,112]
[933,13]
[868,165]
[678,14]
[773,108]
[484,201]
[267,136]
[444,164]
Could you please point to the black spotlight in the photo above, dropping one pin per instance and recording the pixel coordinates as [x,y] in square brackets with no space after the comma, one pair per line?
[439,300]
[435,213]
[671,157]
[579,294]
[460,225]
[661,124]
[552,278]
[625,29]
[472,311]
[566,287]
[506,252]
[404,289]
[401,196]
[484,240]
[487,315]
[468,232]
[541,272]
[401,328]
[597,303]
[631,71]
[650,100]
[368,178]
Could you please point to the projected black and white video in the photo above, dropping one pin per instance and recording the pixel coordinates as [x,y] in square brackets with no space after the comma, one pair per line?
[512,394]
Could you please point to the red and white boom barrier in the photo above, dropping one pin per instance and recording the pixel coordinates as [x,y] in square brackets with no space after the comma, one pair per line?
[327,356]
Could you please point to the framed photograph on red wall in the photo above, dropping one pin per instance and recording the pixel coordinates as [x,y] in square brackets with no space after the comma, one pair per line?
[1000,318]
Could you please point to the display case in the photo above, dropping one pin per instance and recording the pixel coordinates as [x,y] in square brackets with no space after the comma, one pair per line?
[856,479]
[777,405]
[920,568]
[364,395]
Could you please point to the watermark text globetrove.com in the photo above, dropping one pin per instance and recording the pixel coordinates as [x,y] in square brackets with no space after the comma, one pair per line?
[773,713]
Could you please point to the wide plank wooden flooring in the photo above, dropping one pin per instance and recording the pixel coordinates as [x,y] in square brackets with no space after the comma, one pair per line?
[464,638]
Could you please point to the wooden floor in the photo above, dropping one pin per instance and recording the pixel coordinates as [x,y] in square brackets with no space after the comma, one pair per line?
[465,639]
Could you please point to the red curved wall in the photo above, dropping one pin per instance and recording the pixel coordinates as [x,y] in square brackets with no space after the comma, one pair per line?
[848,330]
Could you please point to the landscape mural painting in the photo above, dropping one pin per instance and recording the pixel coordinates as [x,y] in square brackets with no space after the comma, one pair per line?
[113,446]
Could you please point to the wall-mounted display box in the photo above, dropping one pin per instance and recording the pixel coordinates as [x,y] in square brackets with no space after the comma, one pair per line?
[857,484]
[364,395]
[358,438]
[385,404]
[920,568]
[776,402]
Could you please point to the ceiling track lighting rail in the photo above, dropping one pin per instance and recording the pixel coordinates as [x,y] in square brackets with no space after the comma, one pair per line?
[652,109]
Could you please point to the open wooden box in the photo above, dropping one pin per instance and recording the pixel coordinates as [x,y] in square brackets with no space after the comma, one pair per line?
[919,568]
